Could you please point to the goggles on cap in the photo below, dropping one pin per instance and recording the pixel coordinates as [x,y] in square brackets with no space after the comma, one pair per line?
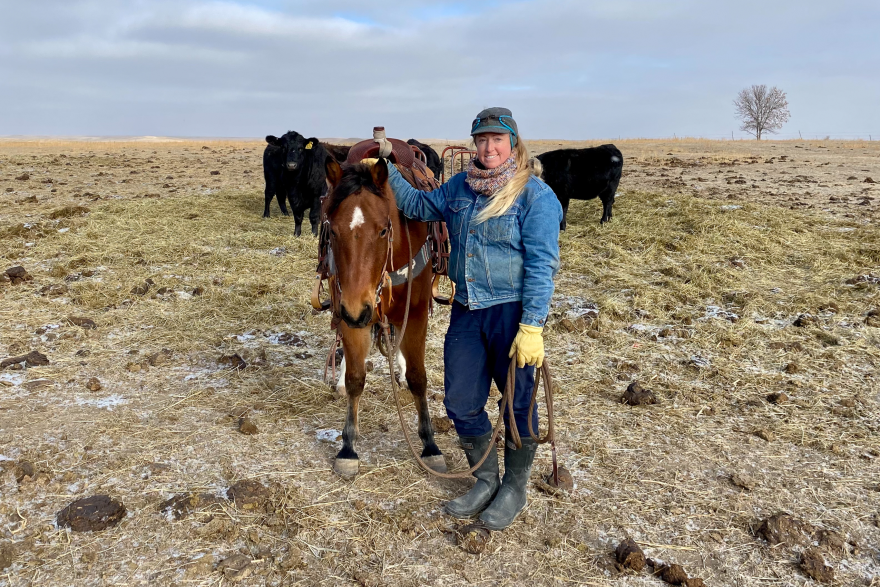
[499,120]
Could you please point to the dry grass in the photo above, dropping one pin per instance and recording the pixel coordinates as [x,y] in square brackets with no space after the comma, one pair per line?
[658,273]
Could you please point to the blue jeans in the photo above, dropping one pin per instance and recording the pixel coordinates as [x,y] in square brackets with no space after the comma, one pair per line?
[475,353]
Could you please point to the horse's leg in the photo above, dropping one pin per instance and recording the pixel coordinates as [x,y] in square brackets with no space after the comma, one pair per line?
[356,345]
[340,380]
[413,350]
[401,365]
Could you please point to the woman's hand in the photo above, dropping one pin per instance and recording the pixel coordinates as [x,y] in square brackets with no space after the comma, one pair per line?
[528,346]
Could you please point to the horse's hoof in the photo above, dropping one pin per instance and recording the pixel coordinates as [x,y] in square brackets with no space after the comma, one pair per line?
[346,467]
[436,463]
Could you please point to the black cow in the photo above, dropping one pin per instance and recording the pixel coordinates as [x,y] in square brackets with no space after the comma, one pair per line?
[294,170]
[339,152]
[583,174]
[434,163]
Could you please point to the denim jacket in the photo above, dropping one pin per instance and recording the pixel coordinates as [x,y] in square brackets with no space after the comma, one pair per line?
[510,258]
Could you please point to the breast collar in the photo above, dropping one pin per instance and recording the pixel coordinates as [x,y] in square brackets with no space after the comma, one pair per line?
[420,261]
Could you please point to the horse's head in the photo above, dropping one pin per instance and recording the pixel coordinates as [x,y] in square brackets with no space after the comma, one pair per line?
[293,146]
[359,209]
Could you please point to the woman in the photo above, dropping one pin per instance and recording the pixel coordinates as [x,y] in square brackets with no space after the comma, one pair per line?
[504,229]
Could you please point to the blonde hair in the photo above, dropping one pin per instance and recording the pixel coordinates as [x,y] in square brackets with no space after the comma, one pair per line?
[503,199]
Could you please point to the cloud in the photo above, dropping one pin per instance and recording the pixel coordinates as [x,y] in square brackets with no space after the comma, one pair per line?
[567,68]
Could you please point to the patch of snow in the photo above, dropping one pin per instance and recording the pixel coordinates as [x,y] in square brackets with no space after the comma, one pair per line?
[12,378]
[640,327]
[244,337]
[728,207]
[108,402]
[328,434]
[278,251]
[718,312]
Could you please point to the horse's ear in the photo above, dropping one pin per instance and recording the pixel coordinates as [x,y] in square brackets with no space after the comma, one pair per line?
[334,171]
[379,173]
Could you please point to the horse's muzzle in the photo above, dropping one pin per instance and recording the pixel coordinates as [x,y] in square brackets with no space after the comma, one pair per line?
[361,321]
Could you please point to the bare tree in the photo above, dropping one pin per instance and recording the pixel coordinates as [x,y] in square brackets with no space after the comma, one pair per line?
[761,110]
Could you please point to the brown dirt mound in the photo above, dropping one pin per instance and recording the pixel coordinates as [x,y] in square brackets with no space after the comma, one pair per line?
[91,514]
[630,556]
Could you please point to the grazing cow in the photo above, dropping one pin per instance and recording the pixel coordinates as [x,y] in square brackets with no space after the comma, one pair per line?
[583,174]
[434,163]
[294,170]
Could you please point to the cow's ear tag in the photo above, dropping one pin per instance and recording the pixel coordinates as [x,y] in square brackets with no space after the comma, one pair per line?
[309,145]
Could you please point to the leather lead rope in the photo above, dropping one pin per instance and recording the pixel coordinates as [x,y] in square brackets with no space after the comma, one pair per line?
[506,398]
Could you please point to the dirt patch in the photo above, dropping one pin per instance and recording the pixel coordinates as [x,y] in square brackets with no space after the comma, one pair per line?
[813,564]
[636,395]
[31,359]
[473,538]
[785,529]
[82,322]
[91,514]
[442,424]
[18,275]
[236,567]
[630,556]
[249,494]
[246,426]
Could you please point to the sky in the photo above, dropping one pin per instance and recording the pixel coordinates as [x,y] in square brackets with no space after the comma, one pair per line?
[568,69]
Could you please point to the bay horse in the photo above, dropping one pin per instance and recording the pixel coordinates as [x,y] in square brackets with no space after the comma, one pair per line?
[370,238]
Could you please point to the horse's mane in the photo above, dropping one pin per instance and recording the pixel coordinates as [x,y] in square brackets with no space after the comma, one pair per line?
[355,178]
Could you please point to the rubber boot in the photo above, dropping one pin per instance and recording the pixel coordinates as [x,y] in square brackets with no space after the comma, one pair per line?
[511,498]
[488,480]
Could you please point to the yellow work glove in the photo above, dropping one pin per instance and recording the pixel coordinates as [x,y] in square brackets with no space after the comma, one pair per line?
[528,346]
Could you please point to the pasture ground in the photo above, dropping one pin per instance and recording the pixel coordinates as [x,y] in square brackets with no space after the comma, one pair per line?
[716,250]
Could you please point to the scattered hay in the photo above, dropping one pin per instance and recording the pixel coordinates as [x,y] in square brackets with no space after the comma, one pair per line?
[650,473]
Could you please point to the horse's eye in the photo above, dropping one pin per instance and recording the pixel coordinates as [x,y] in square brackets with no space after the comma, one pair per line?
[383,233]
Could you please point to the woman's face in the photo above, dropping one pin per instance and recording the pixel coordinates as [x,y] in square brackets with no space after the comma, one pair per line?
[493,148]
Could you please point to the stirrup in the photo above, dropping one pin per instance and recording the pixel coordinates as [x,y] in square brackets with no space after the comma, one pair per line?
[435,291]
[316,295]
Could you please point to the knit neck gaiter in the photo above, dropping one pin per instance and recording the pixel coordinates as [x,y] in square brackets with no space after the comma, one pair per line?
[488,181]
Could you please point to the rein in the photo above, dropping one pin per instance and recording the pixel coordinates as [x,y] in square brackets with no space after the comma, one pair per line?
[506,398]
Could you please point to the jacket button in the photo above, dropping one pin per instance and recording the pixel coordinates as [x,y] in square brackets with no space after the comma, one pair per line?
[470,278]
[473,231]
[470,254]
